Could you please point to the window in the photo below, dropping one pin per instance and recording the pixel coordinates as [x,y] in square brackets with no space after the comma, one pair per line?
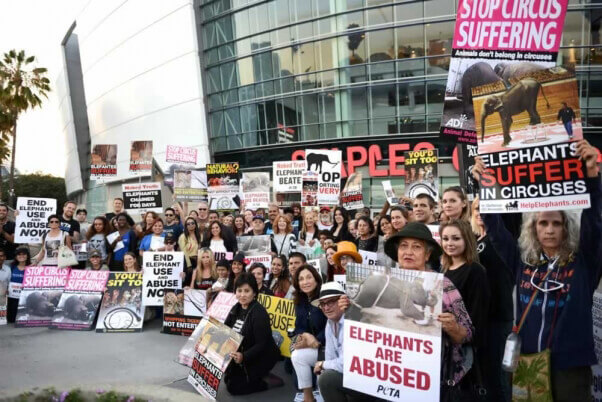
[435,92]
[409,11]
[213,82]
[241,23]
[410,42]
[304,58]
[327,106]
[245,71]
[378,16]
[382,45]
[248,118]
[383,100]
[308,106]
[435,8]
[326,53]
[574,25]
[232,121]
[350,20]
[217,124]
[355,47]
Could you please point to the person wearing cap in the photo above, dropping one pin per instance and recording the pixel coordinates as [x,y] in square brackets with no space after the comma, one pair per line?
[424,209]
[330,370]
[95,262]
[259,229]
[412,248]
[258,270]
[325,222]
[170,242]
[346,253]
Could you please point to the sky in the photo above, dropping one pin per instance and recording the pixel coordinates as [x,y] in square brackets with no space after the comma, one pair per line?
[38,27]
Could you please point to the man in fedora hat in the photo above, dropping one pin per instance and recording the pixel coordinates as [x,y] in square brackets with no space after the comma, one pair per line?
[330,369]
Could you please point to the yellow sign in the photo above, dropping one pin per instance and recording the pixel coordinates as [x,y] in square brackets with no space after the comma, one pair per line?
[282,317]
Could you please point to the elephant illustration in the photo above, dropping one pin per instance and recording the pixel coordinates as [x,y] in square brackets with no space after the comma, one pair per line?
[318,160]
[521,97]
[476,75]
[391,292]
[506,70]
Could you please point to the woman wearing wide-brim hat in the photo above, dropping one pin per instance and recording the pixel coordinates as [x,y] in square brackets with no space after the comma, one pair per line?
[346,253]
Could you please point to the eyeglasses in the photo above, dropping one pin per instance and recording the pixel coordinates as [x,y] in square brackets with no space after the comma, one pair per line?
[328,303]
[169,215]
[170,242]
[203,209]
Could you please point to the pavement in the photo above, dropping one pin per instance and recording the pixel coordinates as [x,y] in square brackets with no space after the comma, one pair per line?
[142,363]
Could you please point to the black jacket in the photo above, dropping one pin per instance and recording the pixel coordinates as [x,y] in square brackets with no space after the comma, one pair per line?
[259,350]
[228,236]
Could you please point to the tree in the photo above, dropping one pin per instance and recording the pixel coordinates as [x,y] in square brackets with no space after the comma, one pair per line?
[354,40]
[39,185]
[22,87]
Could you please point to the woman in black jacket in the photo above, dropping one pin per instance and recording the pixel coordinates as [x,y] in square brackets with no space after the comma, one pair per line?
[340,230]
[250,367]
[219,239]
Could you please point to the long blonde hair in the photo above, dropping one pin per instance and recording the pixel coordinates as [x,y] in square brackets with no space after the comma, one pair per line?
[530,247]
[199,264]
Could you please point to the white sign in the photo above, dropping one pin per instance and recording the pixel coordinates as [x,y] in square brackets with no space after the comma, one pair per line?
[328,166]
[287,176]
[368,257]
[142,197]
[32,220]
[256,189]
[161,270]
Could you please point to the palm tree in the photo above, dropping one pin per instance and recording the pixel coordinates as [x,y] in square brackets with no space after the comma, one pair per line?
[21,85]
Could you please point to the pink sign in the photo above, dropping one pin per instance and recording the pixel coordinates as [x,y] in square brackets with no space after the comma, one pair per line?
[184,155]
[222,305]
[87,281]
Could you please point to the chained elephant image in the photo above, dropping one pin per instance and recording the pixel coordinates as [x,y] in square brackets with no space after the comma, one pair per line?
[507,70]
[318,161]
[521,97]
[476,75]
[392,293]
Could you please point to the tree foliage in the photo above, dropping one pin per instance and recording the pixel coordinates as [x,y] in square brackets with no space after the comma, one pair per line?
[38,185]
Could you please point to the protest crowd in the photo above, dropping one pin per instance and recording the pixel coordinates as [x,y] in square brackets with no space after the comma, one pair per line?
[550,260]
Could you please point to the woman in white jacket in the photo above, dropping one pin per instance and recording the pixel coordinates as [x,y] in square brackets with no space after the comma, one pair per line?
[284,238]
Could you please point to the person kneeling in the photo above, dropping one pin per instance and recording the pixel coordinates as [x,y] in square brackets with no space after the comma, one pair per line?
[250,368]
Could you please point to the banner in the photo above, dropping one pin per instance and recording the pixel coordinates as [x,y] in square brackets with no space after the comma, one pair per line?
[309,191]
[41,292]
[181,155]
[31,224]
[79,302]
[141,157]
[223,180]
[190,185]
[389,193]
[531,158]
[352,197]
[177,319]
[103,161]
[393,353]
[161,270]
[122,309]
[493,42]
[422,173]
[287,176]
[256,189]
[327,164]
[212,356]
[221,306]
[142,197]
[282,318]
[466,155]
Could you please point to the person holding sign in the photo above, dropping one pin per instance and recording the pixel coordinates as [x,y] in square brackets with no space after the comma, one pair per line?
[346,252]
[204,275]
[281,283]
[556,263]
[22,261]
[454,204]
[122,241]
[51,242]
[310,323]
[249,370]
[153,241]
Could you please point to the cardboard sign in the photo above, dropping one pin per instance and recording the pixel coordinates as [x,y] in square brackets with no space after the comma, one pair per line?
[142,196]
[256,189]
[352,197]
[122,309]
[223,180]
[282,317]
[190,185]
[181,155]
[3,302]
[176,320]
[32,221]
[161,270]
[389,193]
[327,164]
[422,173]
[287,176]
[221,306]
[141,157]
[103,161]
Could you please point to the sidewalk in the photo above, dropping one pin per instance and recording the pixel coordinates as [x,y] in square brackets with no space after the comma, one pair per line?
[141,363]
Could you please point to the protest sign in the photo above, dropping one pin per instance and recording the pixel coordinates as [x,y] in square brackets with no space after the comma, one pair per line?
[79,302]
[181,155]
[342,279]
[466,155]
[368,257]
[141,157]
[161,270]
[176,320]
[389,193]
[309,190]
[422,173]
[103,161]
[222,305]
[352,197]
[393,353]
[32,221]
[531,159]
[212,356]
[257,249]
[494,42]
[256,189]
[287,176]
[142,197]
[3,302]
[327,164]
[287,199]
[41,292]
[282,317]
[122,309]
[435,232]
[190,185]
[223,180]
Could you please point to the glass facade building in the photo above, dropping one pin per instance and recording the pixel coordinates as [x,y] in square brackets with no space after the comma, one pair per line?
[286,74]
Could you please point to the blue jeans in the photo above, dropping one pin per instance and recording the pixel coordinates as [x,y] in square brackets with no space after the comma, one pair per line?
[568,126]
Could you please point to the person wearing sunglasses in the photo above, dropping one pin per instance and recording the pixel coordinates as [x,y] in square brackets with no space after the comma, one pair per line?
[556,262]
[51,242]
[172,224]
[203,210]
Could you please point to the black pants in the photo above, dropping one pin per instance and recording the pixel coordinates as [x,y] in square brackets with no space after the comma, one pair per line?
[240,381]
[572,385]
[11,309]
[499,387]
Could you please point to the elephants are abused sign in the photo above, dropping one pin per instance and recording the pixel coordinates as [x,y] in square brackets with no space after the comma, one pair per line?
[327,164]
[496,41]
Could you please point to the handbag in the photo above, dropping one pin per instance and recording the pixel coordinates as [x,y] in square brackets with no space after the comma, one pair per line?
[462,392]
[532,378]
[66,257]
